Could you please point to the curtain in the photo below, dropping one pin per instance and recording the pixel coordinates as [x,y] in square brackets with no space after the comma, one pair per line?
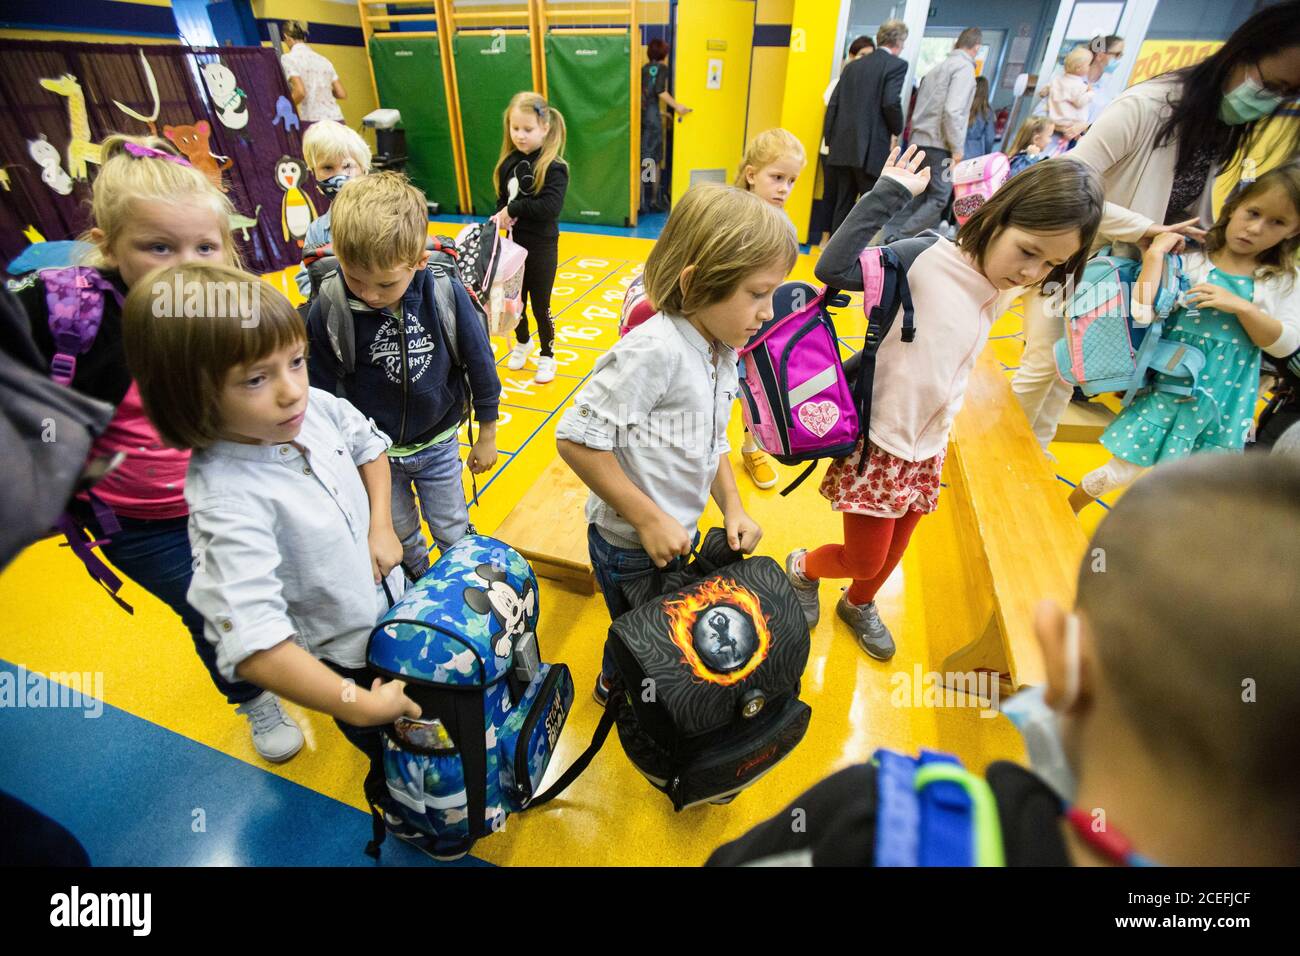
[239,84]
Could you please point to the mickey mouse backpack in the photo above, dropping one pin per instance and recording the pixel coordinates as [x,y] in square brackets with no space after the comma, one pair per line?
[464,638]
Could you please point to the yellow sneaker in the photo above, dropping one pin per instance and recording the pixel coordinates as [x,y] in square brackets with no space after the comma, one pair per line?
[760,468]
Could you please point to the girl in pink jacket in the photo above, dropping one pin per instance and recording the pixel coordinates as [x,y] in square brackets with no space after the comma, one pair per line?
[1035,230]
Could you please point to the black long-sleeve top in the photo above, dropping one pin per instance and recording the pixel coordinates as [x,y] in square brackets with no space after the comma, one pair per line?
[538,214]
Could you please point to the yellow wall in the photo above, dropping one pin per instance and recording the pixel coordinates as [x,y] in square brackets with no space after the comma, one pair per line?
[713,136]
[812,46]
[351,62]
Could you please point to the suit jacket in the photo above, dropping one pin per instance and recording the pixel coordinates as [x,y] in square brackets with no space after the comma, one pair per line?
[865,110]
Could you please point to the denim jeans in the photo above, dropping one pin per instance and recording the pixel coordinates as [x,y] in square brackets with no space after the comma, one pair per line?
[156,556]
[369,740]
[613,566]
[436,475]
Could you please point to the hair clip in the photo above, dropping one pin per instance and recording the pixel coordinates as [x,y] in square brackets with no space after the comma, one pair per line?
[148,152]
[539,110]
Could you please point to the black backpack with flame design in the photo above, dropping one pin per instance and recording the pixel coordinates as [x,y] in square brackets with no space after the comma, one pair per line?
[708,664]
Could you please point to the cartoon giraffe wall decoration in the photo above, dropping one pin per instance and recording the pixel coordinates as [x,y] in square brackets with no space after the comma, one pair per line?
[80,149]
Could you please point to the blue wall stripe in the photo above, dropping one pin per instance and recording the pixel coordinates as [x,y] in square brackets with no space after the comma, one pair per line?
[128,788]
[330,34]
[89,16]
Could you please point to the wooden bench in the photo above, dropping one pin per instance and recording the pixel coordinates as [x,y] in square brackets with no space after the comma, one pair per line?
[549,527]
[1002,539]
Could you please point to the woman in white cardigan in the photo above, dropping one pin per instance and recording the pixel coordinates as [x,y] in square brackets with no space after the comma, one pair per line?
[1159,147]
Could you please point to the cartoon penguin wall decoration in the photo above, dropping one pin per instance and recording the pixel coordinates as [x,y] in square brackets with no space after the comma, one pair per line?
[297,211]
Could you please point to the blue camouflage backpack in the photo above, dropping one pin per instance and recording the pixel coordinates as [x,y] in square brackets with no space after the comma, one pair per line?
[1104,350]
[931,811]
[464,638]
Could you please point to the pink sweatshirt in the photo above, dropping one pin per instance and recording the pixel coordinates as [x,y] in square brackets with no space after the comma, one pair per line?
[1068,97]
[919,385]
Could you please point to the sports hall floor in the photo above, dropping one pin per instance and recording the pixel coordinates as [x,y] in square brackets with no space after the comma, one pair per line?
[167,775]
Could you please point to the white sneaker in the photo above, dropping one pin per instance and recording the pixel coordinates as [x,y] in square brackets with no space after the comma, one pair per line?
[545,369]
[519,354]
[275,736]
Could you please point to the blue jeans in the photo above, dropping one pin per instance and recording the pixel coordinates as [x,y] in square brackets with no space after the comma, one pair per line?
[436,475]
[156,556]
[613,566]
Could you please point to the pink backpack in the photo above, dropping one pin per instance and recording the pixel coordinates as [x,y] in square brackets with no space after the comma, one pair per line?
[975,180]
[797,398]
[636,307]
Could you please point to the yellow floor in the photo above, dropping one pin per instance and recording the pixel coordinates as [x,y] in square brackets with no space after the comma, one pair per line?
[610,816]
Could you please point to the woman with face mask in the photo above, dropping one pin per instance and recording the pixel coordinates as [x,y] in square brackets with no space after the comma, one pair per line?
[1159,146]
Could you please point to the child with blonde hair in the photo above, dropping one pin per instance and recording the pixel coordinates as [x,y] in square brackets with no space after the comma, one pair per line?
[288,494]
[1031,142]
[772,162]
[647,433]
[334,153]
[404,344]
[1243,301]
[1069,94]
[532,177]
[150,208]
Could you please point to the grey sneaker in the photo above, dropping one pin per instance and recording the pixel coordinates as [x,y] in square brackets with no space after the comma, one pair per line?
[873,637]
[804,589]
[275,735]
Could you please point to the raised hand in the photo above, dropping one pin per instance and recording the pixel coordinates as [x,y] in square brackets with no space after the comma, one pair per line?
[908,169]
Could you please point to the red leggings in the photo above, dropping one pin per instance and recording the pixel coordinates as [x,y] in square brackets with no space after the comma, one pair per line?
[871,550]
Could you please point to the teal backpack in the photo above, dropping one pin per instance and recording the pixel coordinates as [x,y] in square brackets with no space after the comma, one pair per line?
[1104,350]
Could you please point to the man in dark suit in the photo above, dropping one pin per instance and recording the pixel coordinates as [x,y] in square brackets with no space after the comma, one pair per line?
[865,110]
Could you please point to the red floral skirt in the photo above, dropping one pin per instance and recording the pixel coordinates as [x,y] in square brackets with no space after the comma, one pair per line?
[888,487]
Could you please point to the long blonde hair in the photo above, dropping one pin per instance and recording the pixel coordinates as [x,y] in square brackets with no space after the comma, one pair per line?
[552,145]
[124,179]
[767,148]
[1028,130]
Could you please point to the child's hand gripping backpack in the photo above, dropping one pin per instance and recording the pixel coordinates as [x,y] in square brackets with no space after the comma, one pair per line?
[1104,350]
[464,638]
[705,692]
[799,401]
[494,268]
[930,811]
[74,298]
[975,180]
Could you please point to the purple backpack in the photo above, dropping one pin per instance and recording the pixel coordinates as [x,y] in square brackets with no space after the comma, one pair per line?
[74,299]
[799,400]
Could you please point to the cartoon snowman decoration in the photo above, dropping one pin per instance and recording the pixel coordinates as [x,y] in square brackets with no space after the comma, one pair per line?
[296,212]
[52,173]
[227,98]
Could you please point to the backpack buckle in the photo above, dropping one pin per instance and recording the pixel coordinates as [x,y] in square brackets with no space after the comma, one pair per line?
[62,367]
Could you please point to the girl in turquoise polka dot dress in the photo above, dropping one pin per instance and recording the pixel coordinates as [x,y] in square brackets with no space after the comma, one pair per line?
[1243,299]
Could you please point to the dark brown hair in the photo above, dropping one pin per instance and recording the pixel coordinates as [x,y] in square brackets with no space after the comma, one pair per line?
[185,327]
[1051,196]
[1281,259]
[979,104]
[657,50]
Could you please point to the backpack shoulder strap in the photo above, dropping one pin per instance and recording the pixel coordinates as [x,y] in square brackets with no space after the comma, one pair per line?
[340,327]
[444,296]
[74,298]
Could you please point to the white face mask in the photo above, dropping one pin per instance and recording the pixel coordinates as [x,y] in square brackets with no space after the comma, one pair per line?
[1040,725]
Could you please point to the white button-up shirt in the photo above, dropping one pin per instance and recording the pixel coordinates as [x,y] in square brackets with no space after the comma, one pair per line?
[660,400]
[318,76]
[280,537]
